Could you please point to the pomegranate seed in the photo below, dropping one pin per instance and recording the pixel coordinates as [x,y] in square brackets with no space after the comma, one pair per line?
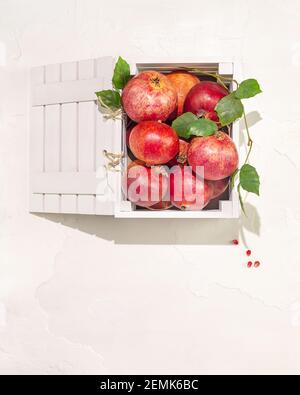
[248,252]
[235,242]
[257,264]
[250,265]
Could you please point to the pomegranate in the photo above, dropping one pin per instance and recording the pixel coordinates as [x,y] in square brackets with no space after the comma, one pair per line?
[154,143]
[218,187]
[188,192]
[145,186]
[183,83]
[149,96]
[217,154]
[203,99]
[128,132]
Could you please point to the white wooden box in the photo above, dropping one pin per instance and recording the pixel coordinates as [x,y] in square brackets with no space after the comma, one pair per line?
[68,135]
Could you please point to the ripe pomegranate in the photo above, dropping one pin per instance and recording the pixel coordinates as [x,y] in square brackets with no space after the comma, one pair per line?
[218,187]
[183,83]
[217,154]
[149,96]
[203,99]
[128,132]
[145,186]
[188,192]
[154,143]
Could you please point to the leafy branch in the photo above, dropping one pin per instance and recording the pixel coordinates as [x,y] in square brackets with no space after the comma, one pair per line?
[110,101]
[229,110]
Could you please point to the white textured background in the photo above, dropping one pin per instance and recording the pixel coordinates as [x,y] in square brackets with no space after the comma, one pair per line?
[98,295]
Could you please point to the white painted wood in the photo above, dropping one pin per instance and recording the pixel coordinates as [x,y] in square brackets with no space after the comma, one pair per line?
[87,137]
[69,138]
[73,136]
[105,140]
[69,71]
[60,183]
[226,68]
[104,128]
[86,204]
[68,204]
[66,92]
[36,202]
[52,138]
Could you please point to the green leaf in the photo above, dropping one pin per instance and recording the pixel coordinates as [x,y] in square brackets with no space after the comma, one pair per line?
[202,127]
[248,88]
[121,74]
[110,99]
[249,179]
[182,123]
[229,109]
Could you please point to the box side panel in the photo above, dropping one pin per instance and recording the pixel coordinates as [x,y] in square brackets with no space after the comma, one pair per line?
[67,138]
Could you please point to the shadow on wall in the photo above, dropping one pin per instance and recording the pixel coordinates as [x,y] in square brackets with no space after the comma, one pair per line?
[162,231]
[253,118]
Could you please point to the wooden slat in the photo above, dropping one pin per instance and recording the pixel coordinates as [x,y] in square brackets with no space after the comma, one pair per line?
[87,135]
[69,204]
[104,128]
[105,140]
[65,92]
[66,183]
[52,139]
[69,138]
[36,202]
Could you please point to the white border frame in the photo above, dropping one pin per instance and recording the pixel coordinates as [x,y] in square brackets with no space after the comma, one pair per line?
[228,209]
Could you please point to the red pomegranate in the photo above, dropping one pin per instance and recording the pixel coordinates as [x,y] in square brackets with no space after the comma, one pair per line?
[218,187]
[217,154]
[128,132]
[145,186]
[203,99]
[188,192]
[154,143]
[149,96]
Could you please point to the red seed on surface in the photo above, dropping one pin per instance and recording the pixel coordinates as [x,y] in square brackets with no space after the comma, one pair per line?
[235,242]
[257,264]
[248,252]
[250,264]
